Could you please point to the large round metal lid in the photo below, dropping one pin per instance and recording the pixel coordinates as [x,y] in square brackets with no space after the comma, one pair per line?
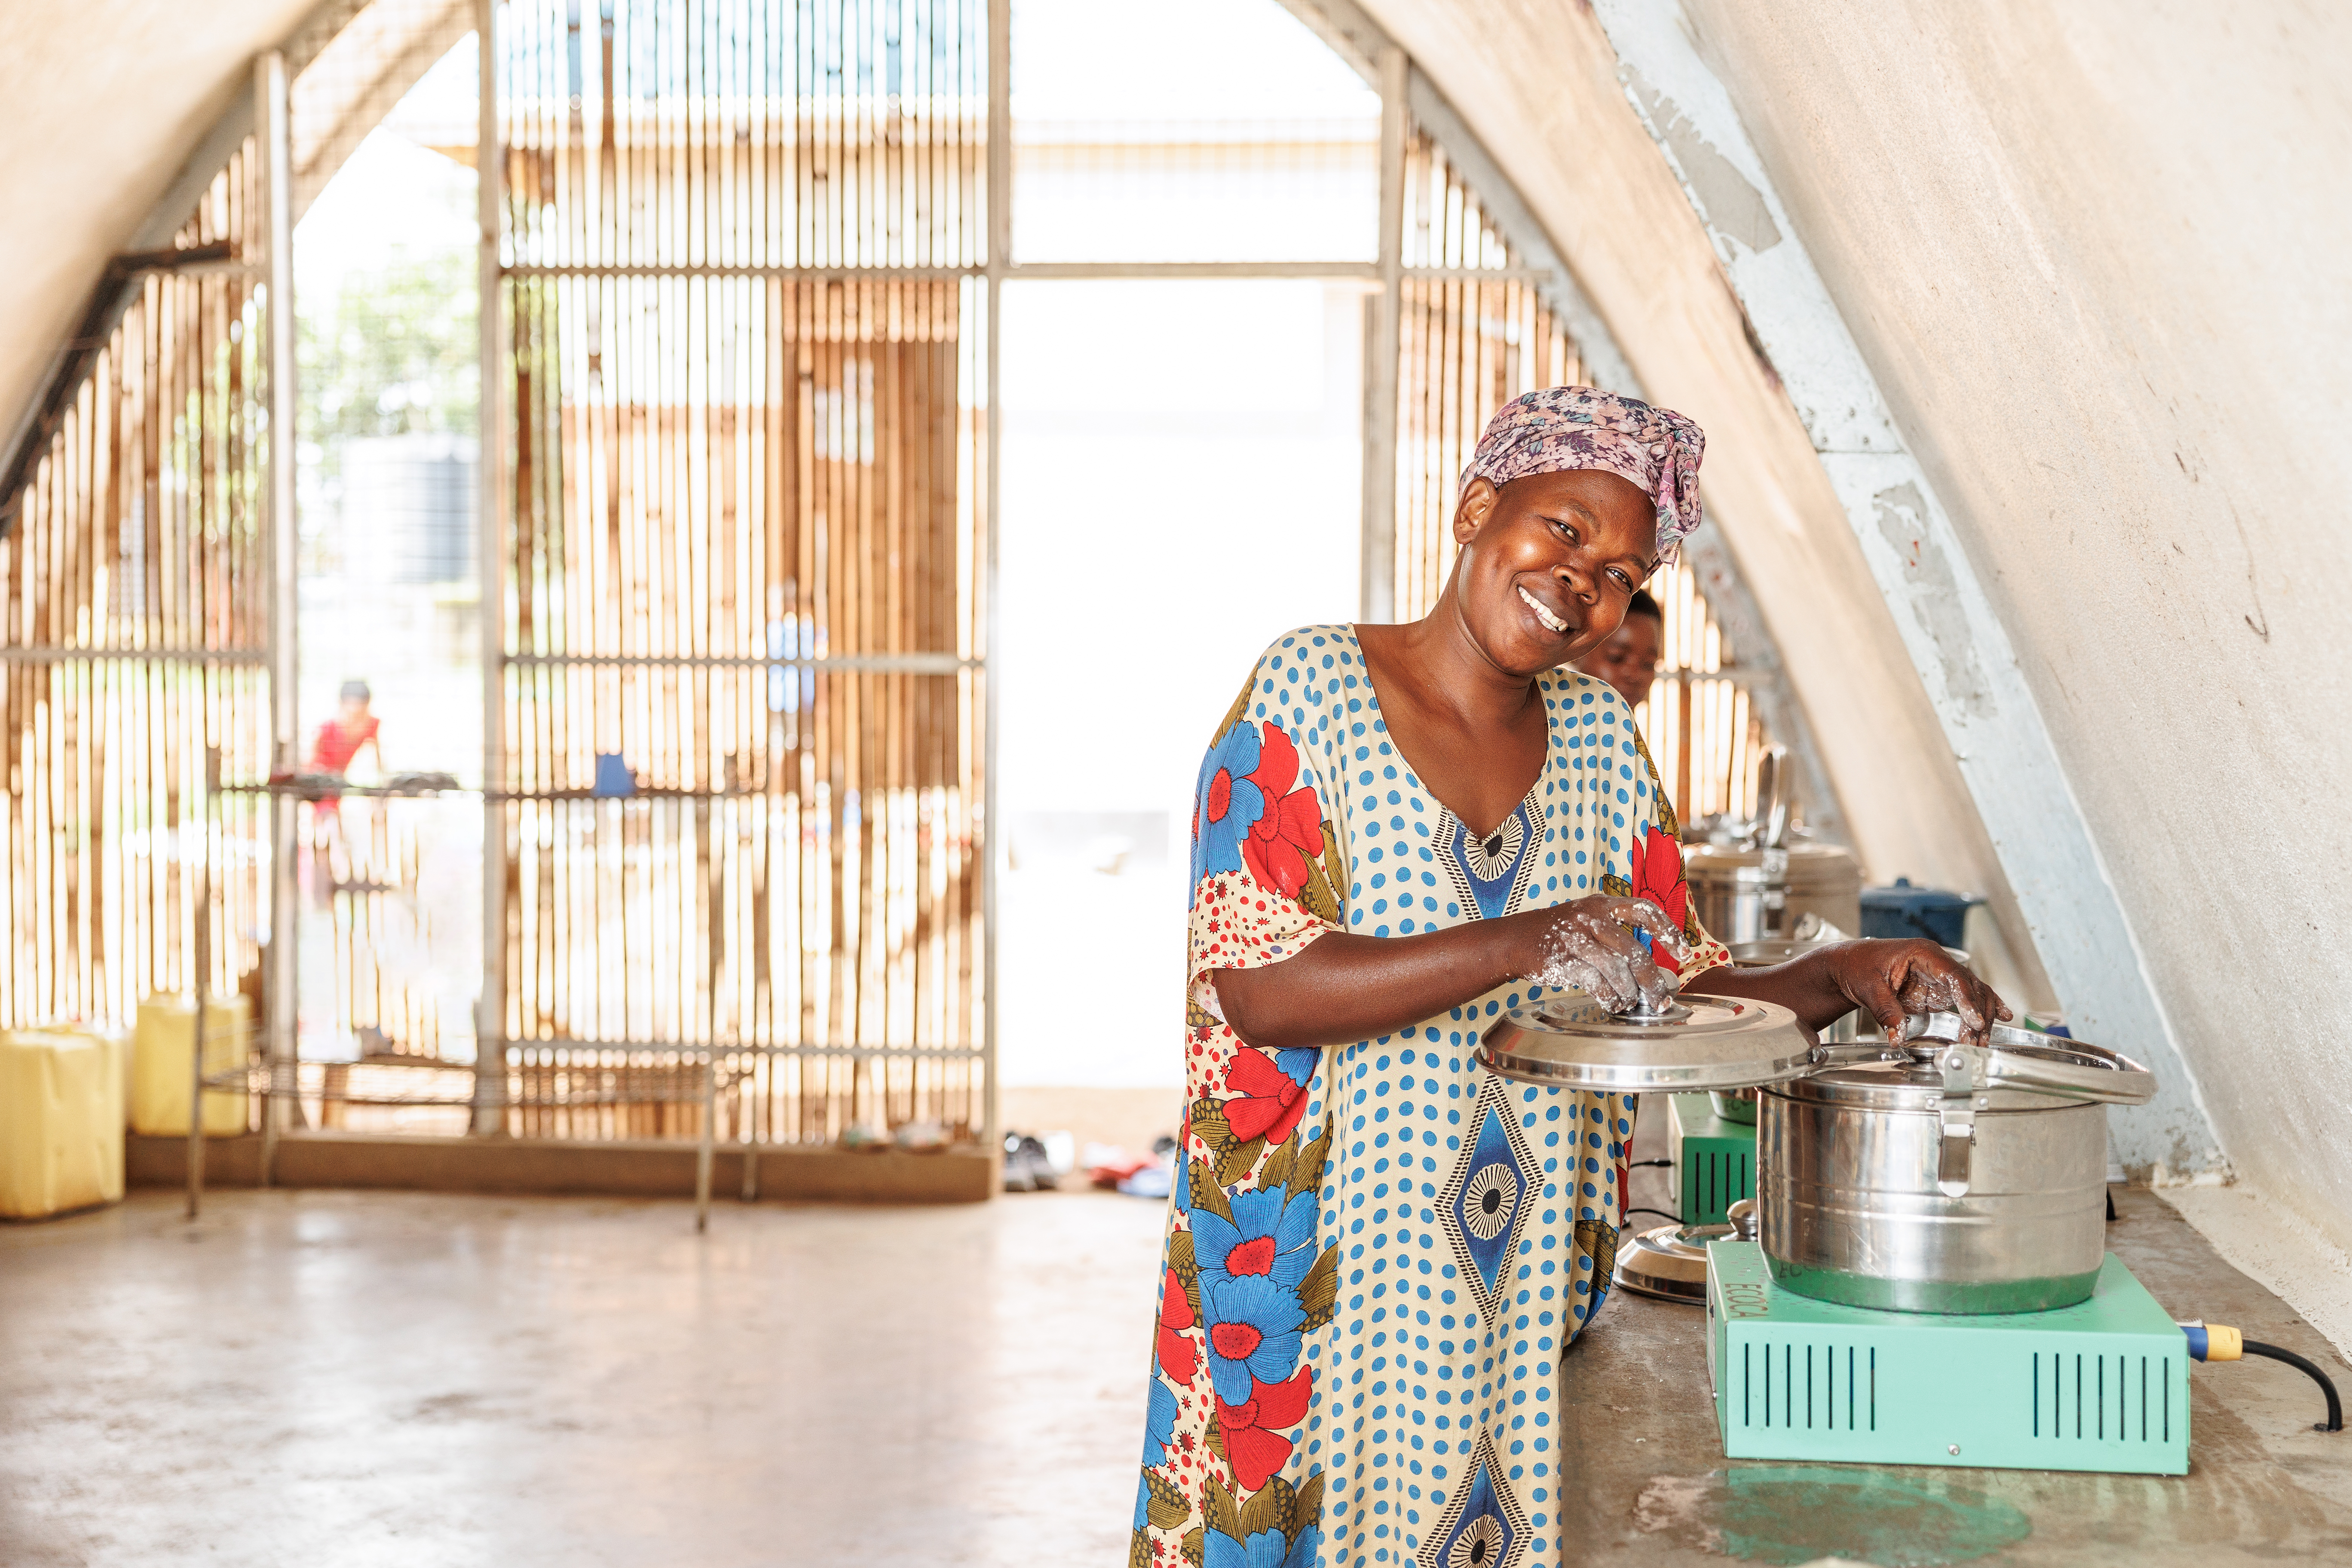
[1766,952]
[1669,1261]
[2015,1069]
[1910,1084]
[1802,865]
[1718,1042]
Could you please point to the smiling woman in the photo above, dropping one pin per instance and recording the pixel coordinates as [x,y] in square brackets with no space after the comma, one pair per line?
[1378,1252]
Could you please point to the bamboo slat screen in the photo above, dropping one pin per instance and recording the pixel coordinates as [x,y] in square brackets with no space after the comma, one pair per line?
[133,638]
[743,435]
[1705,739]
[1466,347]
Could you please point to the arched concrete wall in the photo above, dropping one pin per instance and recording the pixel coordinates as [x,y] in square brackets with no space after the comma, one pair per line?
[1536,81]
[105,100]
[2097,258]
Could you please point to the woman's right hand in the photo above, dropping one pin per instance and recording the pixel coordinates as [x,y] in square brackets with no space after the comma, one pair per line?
[1591,944]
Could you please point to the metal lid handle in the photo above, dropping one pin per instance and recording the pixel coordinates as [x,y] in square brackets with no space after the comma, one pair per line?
[2021,1058]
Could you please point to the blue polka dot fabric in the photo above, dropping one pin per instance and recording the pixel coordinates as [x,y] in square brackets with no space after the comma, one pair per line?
[1378,1253]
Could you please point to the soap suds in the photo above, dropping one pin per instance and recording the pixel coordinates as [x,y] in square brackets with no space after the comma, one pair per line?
[1576,957]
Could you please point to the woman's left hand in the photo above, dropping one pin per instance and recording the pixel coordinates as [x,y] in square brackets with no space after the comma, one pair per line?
[1891,979]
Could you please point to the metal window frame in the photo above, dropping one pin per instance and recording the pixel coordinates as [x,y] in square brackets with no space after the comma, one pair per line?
[493,1048]
[1405,91]
[1365,45]
[491,1043]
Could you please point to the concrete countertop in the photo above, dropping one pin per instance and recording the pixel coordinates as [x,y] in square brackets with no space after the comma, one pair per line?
[1648,1478]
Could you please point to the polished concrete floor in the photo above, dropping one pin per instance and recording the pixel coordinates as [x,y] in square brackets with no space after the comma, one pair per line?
[1654,1491]
[384,1378]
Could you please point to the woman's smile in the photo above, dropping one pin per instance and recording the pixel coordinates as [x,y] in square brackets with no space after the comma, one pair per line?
[1552,623]
[1547,565]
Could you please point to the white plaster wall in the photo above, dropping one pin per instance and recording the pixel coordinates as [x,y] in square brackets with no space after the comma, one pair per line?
[2098,258]
[100,102]
[1536,81]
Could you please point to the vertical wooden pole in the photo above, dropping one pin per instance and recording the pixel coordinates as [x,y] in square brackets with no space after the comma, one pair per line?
[998,198]
[203,956]
[283,1038]
[490,556]
[1378,596]
[1685,807]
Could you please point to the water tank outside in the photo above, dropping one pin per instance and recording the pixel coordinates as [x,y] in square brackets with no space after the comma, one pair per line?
[408,513]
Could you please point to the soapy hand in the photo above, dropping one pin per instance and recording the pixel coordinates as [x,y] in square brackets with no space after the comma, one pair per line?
[1587,945]
[1890,979]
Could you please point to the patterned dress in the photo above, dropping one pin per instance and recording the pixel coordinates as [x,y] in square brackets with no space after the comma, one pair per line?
[1378,1252]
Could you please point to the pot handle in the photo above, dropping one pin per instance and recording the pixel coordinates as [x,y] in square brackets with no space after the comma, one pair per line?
[1772,800]
[2021,1058]
[1856,1053]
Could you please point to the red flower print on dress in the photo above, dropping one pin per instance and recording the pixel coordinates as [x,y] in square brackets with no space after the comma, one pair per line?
[1283,843]
[1658,876]
[1253,1430]
[1179,1357]
[1271,1101]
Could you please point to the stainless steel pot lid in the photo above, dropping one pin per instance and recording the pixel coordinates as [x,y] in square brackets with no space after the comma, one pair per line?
[1718,1042]
[1910,1085]
[1772,950]
[2015,1057]
[2019,1070]
[1669,1262]
[1764,951]
[1801,867]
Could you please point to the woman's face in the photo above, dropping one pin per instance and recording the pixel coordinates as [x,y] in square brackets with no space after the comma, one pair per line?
[1548,562]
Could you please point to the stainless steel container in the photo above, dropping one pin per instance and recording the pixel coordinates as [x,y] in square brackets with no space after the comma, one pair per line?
[1569,1041]
[1951,1179]
[1928,1176]
[1740,1104]
[1754,895]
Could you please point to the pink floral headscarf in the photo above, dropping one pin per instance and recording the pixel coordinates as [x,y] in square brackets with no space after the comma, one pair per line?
[1583,427]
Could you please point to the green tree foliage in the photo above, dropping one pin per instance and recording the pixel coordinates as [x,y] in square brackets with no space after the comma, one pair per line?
[394,353]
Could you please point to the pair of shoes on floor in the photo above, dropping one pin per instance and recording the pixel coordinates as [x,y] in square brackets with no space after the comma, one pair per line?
[1027,1167]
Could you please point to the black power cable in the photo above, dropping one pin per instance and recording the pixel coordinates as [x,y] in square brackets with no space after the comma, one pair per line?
[2335,1422]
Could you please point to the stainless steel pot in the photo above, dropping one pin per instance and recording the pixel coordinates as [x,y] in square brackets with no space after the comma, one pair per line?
[1925,1177]
[1740,1104]
[1745,895]
[1943,1178]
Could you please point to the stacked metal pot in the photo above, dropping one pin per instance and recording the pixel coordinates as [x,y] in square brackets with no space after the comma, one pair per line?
[1928,1176]
[1747,893]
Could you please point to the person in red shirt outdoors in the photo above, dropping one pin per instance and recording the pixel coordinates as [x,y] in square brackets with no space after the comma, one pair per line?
[341,737]
[340,741]
[1629,660]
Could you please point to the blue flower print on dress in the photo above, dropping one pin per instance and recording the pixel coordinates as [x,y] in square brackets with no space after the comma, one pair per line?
[1254,1331]
[1297,1064]
[1225,804]
[1267,1549]
[1269,1237]
[1159,1425]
